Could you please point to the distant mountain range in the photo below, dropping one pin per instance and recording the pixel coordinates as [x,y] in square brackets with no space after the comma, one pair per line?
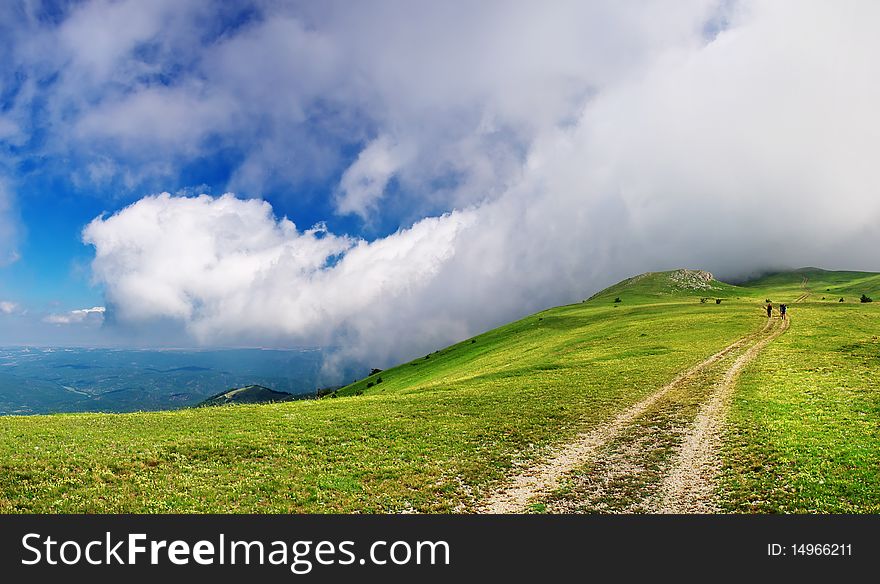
[45,380]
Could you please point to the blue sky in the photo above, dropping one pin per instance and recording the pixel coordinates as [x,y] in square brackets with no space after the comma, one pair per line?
[404,174]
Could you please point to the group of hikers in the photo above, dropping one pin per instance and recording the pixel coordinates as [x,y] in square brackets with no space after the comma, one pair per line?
[782,309]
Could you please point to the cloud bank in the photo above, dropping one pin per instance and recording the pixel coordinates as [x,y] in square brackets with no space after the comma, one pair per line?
[94,315]
[530,154]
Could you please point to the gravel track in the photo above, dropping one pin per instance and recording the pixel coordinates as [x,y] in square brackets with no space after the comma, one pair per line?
[541,479]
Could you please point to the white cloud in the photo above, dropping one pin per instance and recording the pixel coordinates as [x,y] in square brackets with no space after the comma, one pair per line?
[161,118]
[10,131]
[8,307]
[98,37]
[466,88]
[363,183]
[83,315]
[9,226]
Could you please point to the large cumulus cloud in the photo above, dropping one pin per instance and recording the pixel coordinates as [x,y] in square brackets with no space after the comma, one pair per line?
[232,272]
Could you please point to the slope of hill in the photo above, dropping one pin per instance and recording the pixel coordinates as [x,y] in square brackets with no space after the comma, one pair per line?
[251,394]
[447,430]
[543,340]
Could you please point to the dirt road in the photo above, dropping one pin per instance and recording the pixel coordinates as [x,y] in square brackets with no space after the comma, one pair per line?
[660,455]
[539,480]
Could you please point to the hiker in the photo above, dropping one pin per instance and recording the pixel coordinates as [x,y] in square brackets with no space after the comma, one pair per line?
[769,310]
[782,308]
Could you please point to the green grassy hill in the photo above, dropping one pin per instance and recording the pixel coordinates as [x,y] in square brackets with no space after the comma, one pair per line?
[251,394]
[823,283]
[437,433]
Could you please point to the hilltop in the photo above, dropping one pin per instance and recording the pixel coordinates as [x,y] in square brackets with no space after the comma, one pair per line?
[251,394]
[673,283]
[794,429]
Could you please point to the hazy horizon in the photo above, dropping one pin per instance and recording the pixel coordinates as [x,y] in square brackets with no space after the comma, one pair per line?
[76,379]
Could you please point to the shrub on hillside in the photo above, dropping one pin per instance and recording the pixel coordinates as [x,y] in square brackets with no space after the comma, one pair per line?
[866,299]
[616,300]
[327,391]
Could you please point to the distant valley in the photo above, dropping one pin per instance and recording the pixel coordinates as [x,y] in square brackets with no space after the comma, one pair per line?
[49,380]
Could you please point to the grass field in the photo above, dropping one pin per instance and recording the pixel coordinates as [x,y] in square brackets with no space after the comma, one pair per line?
[435,434]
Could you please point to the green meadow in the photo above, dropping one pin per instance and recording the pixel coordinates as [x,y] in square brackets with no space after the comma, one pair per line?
[804,431]
[438,433]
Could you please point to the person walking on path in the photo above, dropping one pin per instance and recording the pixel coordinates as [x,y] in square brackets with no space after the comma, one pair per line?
[782,309]
[769,310]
